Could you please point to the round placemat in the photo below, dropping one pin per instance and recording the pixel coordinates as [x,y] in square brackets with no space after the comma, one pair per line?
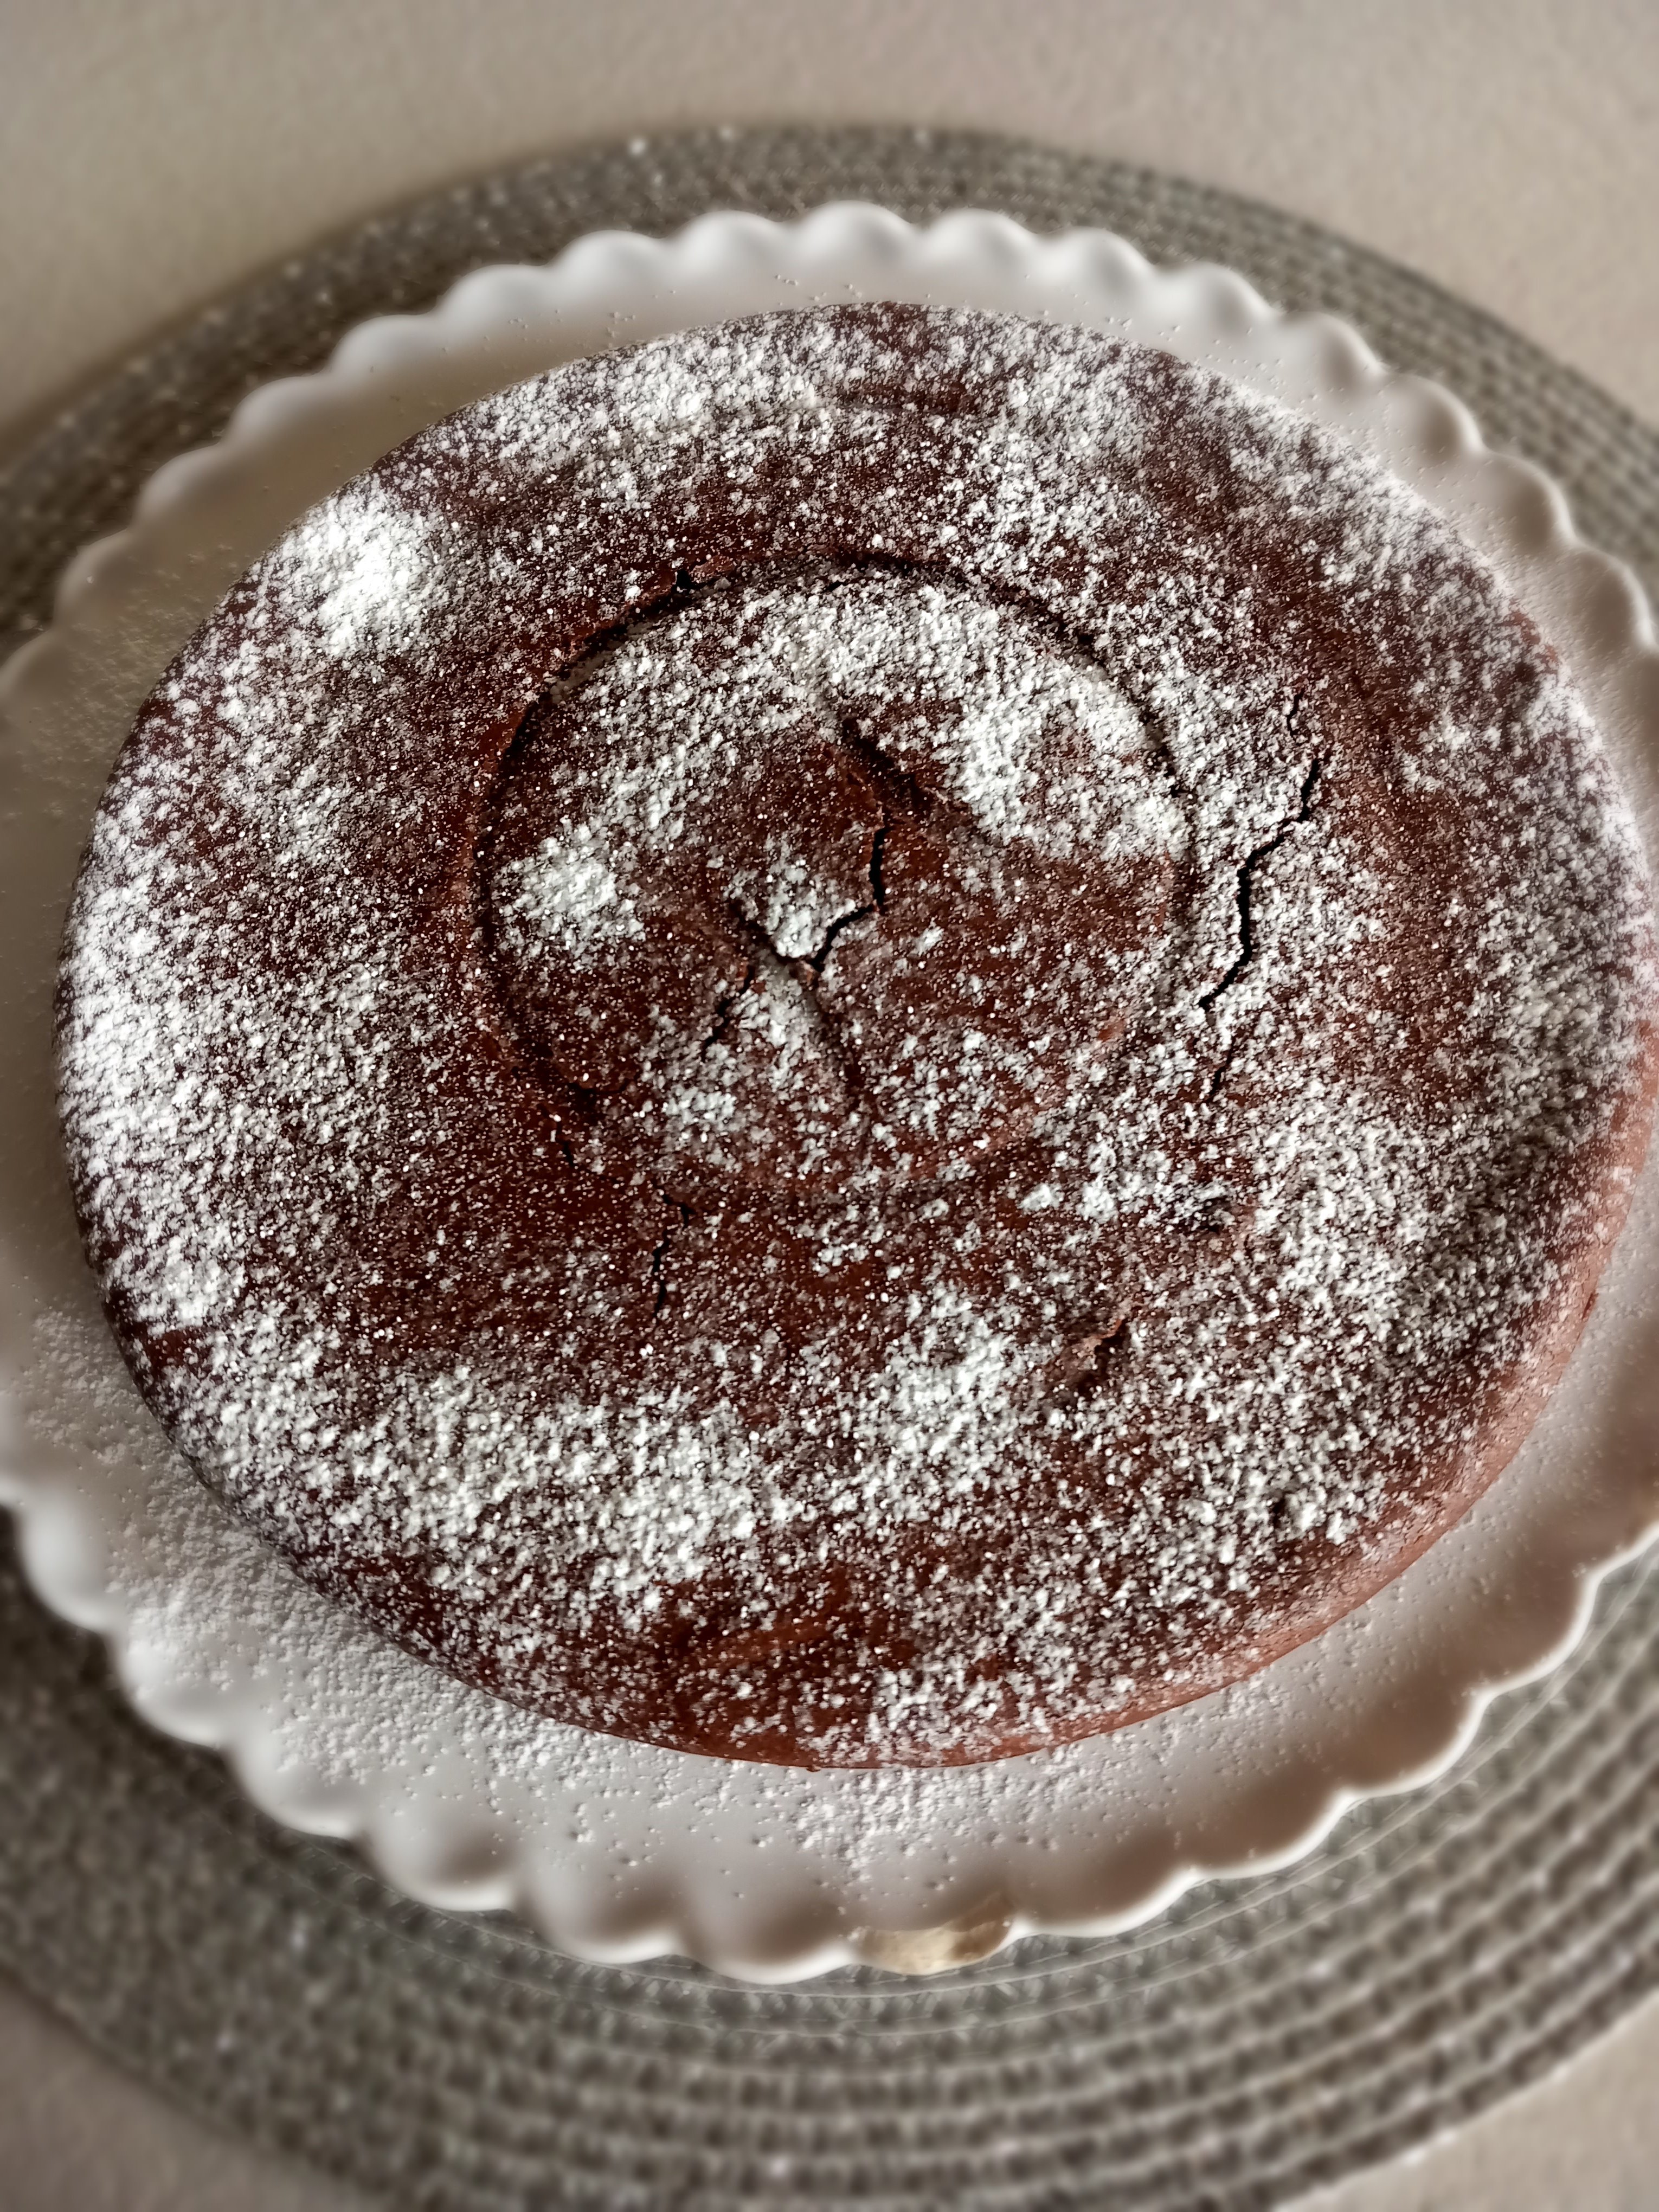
[1441,1949]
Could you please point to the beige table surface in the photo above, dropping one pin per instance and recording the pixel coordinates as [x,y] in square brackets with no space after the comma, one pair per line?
[153,152]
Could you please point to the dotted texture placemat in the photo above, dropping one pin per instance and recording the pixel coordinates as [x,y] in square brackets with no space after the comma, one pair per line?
[1439,1952]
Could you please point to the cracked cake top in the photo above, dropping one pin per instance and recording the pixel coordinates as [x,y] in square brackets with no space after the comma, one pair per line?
[876,1036]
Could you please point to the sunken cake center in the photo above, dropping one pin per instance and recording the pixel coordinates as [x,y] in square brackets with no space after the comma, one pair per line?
[827,875]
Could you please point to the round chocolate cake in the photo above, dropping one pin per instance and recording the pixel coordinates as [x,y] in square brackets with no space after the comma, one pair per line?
[879,1036]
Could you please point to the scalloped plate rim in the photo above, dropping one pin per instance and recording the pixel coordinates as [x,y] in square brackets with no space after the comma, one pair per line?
[630,264]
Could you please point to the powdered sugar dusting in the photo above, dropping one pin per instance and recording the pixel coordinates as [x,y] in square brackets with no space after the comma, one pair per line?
[960,1124]
[372,569]
[564,897]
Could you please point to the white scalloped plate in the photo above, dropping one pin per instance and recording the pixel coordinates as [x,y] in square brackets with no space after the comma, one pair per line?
[615,1850]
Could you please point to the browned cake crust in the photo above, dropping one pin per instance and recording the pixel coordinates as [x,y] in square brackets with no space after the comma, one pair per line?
[879,1037]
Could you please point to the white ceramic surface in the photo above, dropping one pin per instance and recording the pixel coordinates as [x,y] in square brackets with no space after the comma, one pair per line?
[614,1850]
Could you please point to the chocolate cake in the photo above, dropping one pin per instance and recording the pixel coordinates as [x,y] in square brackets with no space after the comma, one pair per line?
[879,1036]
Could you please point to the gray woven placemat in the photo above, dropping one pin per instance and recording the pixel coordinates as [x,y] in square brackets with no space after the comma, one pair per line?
[1440,1951]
